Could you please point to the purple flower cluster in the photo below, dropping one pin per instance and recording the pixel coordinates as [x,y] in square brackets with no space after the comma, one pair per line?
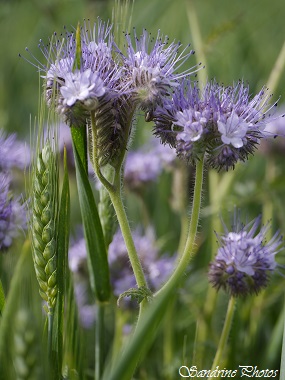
[12,214]
[244,260]
[108,83]
[78,87]
[147,71]
[151,66]
[223,123]
[13,154]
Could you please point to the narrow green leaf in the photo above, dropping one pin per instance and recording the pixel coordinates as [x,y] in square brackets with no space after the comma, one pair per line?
[2,298]
[62,267]
[74,338]
[95,243]
[79,139]
[13,295]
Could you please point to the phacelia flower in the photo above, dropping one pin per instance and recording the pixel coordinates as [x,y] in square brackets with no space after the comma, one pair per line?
[152,68]
[223,123]
[95,85]
[13,153]
[12,215]
[244,260]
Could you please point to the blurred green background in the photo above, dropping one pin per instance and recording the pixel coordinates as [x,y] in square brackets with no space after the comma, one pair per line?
[241,40]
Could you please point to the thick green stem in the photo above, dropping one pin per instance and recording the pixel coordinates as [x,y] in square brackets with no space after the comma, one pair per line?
[225,334]
[189,250]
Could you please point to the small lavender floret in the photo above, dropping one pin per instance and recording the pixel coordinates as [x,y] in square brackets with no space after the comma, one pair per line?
[13,153]
[81,86]
[244,260]
[12,215]
[223,123]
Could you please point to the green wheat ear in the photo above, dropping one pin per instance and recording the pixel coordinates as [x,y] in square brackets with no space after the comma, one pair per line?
[43,224]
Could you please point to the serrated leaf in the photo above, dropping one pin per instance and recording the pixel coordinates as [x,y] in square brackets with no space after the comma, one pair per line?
[95,242]
[145,331]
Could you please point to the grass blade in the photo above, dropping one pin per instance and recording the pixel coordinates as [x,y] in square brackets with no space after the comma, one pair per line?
[95,242]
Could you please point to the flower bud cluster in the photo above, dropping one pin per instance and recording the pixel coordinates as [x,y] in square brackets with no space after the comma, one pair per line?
[244,260]
[91,75]
[223,123]
[108,82]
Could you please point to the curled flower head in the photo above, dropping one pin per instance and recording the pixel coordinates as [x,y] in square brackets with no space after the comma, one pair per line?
[12,215]
[151,68]
[88,88]
[223,123]
[244,259]
[70,84]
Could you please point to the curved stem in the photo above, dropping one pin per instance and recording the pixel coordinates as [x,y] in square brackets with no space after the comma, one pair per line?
[190,242]
[114,190]
[115,197]
[225,334]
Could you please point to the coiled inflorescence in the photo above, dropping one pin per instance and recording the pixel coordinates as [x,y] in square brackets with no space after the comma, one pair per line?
[244,260]
[86,72]
[43,224]
[223,123]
